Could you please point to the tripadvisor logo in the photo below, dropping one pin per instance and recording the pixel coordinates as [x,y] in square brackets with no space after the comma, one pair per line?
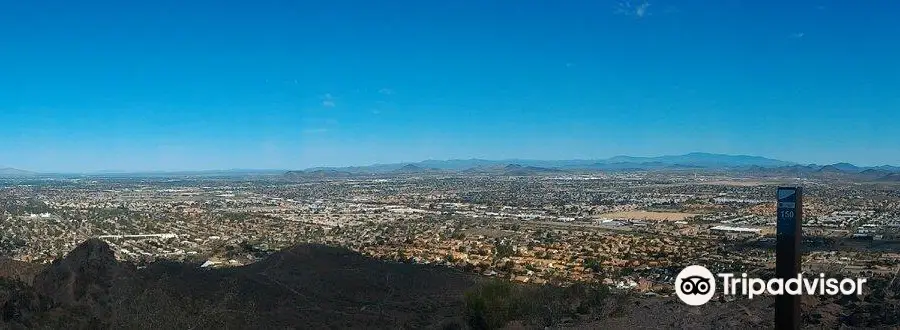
[696,285]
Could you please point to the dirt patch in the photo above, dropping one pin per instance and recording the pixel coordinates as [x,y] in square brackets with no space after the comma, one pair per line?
[647,215]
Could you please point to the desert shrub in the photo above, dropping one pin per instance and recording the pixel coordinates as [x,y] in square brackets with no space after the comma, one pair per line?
[493,304]
[490,305]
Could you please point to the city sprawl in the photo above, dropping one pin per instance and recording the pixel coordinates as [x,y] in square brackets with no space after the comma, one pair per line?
[632,231]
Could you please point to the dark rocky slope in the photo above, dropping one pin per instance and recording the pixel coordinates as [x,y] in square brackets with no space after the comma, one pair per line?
[308,286]
[320,287]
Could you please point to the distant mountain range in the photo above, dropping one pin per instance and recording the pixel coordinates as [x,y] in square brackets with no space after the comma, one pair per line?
[13,172]
[701,159]
[753,165]
[698,161]
[691,160]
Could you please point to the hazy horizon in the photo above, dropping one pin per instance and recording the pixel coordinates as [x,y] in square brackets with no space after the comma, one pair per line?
[226,167]
[172,85]
[511,160]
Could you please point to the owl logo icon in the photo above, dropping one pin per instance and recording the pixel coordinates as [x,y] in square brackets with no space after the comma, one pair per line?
[695,285]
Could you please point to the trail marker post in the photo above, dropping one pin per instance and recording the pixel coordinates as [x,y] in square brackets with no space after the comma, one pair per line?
[787,254]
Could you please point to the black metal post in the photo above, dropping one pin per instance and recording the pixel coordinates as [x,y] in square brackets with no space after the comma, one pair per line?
[787,254]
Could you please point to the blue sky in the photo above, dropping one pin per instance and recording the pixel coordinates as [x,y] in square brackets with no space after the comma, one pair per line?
[165,85]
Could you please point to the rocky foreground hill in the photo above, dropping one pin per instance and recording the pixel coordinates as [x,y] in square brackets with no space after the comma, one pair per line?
[308,286]
[320,287]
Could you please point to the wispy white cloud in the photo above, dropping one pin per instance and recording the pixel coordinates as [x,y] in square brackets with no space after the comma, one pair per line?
[797,35]
[570,65]
[328,101]
[626,7]
[641,10]
[386,91]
